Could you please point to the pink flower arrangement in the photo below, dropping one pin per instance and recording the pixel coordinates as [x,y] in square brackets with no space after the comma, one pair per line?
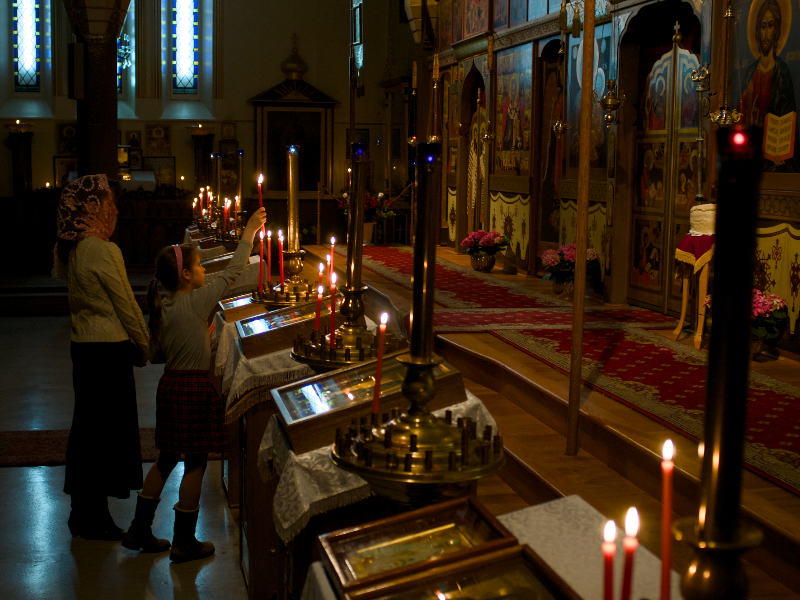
[488,242]
[769,317]
[765,304]
[560,264]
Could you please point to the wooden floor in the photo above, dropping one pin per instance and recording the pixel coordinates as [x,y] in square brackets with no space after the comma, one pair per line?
[617,466]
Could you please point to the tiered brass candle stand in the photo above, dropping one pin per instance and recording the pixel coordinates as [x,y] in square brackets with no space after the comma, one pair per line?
[416,458]
[352,343]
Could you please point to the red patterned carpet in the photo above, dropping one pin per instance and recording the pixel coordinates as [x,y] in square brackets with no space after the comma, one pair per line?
[623,358]
[456,286]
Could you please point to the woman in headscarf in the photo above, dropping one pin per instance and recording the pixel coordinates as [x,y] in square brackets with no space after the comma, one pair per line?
[108,337]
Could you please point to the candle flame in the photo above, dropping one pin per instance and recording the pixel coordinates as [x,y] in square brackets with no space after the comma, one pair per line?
[269,233]
[280,233]
[384,318]
[181,177]
[200,125]
[632,522]
[333,279]
[328,257]
[47,184]
[333,240]
[440,595]
[17,121]
[260,233]
[261,179]
[669,450]
[321,290]
[701,450]
[321,267]
[610,532]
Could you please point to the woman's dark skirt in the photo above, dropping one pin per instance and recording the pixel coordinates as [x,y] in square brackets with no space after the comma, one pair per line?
[104,455]
[190,415]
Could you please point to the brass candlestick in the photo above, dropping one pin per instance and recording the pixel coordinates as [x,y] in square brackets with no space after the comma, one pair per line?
[417,458]
[352,343]
[726,115]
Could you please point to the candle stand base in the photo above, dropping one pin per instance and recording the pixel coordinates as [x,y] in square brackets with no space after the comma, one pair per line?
[275,298]
[416,458]
[716,570]
[293,266]
[352,342]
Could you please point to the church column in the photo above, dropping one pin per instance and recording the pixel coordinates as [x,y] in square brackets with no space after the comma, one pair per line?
[97,24]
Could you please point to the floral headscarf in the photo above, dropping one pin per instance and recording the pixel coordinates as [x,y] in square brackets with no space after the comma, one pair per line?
[87,209]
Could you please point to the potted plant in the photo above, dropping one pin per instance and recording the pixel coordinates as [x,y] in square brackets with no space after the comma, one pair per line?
[769,321]
[559,266]
[482,246]
[375,207]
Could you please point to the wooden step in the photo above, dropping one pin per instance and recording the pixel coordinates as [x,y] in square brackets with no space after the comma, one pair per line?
[539,469]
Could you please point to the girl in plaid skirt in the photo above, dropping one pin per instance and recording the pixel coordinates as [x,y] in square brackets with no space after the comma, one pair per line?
[189,412]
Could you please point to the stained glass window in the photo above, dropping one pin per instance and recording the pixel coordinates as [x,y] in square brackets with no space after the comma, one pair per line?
[26,45]
[185,46]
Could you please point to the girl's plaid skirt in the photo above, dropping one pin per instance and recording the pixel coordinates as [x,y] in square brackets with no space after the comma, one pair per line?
[190,415]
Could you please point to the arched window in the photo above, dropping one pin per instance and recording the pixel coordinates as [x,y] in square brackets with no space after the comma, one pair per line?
[185,46]
[27,32]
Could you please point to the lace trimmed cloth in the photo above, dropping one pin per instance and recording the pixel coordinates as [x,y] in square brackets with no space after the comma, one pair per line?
[697,247]
[310,484]
[243,375]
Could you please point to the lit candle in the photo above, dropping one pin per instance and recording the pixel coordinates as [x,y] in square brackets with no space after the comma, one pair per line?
[320,291]
[181,182]
[321,267]
[629,543]
[194,207]
[280,253]
[328,262]
[260,181]
[376,394]
[261,264]
[667,466]
[333,311]
[609,548]
[333,242]
[17,121]
[225,206]
[47,185]
[236,214]
[269,254]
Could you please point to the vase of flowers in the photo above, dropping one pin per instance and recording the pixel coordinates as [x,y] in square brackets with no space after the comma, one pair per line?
[769,319]
[559,266]
[482,246]
[375,207]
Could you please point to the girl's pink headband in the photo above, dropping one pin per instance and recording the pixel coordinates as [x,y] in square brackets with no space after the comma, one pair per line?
[178,258]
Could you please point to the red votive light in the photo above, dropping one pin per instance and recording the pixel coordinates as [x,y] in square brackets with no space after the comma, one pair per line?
[333,311]
[320,290]
[280,253]
[269,254]
[630,543]
[609,549]
[261,263]
[667,466]
[376,395]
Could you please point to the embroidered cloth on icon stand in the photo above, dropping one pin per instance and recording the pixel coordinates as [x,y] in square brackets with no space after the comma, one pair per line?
[663,379]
